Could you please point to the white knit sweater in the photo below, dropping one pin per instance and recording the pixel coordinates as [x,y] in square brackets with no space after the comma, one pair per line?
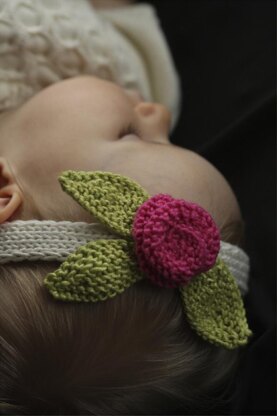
[45,41]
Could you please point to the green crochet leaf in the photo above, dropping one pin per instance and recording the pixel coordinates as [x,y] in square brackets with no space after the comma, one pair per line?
[214,307]
[97,271]
[112,198]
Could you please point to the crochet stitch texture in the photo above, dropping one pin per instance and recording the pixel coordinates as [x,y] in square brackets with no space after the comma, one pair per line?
[175,240]
[95,272]
[214,307]
[56,240]
[101,269]
[110,199]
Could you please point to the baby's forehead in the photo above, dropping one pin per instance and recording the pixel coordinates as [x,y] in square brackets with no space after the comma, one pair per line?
[199,181]
[82,84]
[81,89]
[74,100]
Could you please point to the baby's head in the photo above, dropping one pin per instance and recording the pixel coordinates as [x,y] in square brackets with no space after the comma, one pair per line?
[135,353]
[82,124]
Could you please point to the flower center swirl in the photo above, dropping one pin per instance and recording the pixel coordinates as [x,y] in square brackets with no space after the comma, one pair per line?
[174,240]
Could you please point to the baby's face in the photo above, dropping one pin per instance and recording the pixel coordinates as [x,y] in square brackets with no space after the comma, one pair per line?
[79,124]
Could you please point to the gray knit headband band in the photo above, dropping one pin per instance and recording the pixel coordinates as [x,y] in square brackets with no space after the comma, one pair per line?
[56,240]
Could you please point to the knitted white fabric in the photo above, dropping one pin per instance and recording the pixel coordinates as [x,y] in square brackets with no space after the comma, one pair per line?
[55,240]
[238,262]
[46,41]
[46,240]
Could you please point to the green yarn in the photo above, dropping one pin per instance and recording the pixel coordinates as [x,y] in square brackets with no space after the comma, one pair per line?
[214,307]
[102,269]
[97,271]
[112,198]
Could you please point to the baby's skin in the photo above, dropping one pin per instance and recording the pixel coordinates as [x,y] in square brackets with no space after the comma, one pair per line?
[82,124]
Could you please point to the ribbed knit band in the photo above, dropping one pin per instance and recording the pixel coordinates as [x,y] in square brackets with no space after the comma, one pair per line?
[46,240]
[56,240]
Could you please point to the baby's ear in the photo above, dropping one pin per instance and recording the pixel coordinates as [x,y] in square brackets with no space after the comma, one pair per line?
[10,194]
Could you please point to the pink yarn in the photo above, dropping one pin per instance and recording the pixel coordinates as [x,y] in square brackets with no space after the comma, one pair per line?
[174,240]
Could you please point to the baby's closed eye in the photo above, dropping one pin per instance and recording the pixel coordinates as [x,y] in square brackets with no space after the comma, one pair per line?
[130,129]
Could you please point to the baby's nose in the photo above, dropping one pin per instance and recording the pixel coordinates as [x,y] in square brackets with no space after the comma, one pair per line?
[155,119]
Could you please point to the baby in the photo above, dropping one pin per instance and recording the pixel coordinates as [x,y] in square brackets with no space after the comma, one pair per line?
[135,353]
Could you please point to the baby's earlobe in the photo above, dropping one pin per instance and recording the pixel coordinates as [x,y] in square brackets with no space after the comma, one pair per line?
[10,194]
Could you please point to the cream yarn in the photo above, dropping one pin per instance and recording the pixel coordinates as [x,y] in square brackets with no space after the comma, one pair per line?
[56,240]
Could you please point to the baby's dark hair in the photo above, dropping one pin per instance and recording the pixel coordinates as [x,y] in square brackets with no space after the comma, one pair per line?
[133,354]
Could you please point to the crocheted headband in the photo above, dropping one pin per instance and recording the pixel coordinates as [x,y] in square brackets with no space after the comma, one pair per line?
[171,242]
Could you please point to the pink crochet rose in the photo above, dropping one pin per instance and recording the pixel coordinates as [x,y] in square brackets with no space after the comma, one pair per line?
[174,240]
